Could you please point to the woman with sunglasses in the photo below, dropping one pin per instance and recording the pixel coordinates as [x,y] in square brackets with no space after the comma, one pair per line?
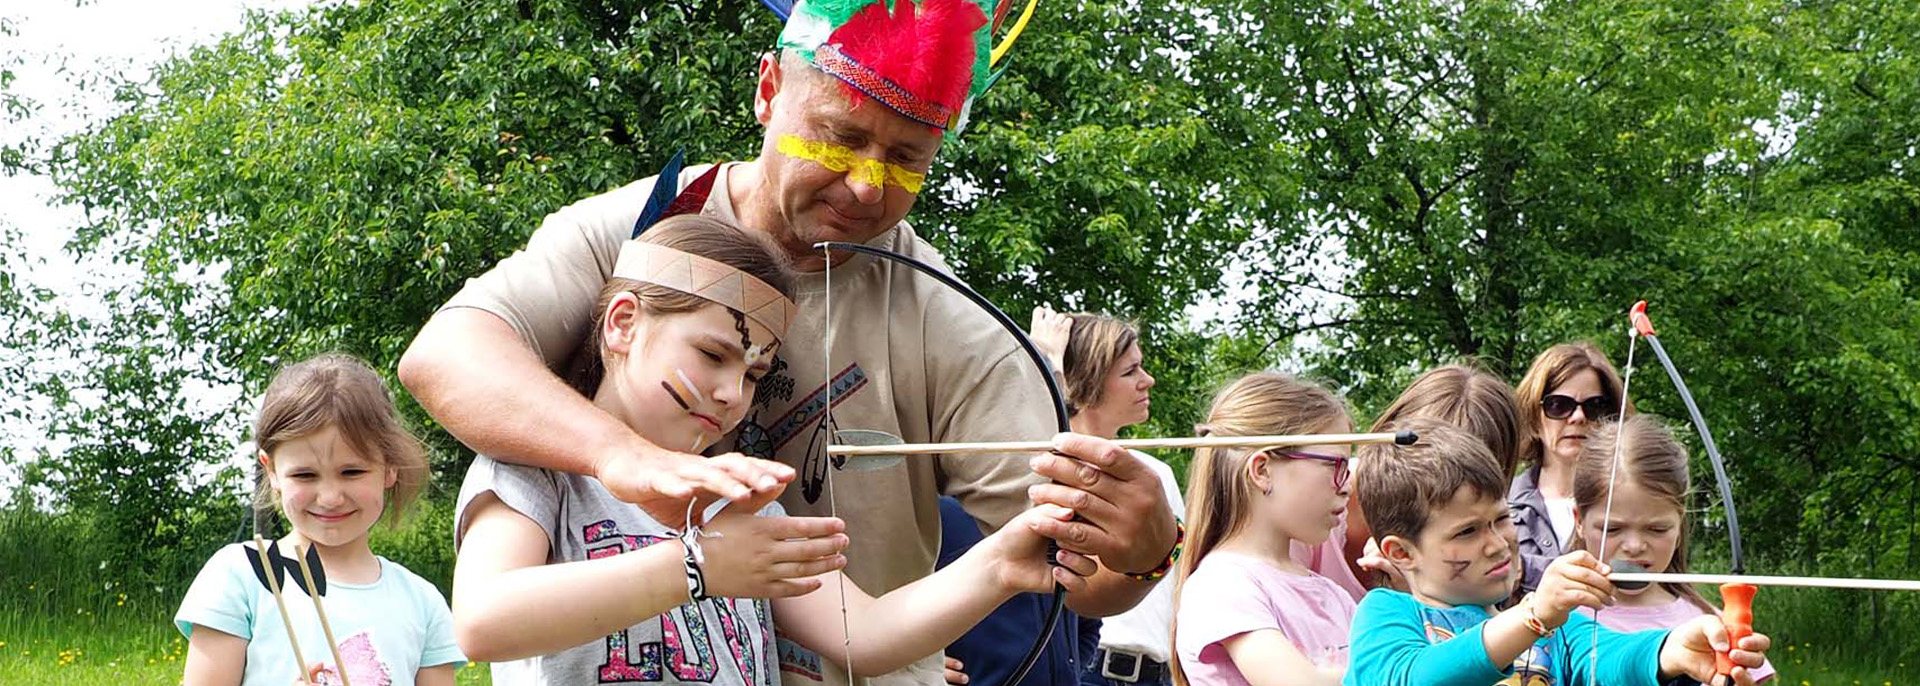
[1246,610]
[1570,388]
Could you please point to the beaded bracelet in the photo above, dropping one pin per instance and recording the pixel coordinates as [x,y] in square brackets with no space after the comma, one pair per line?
[1179,541]
[696,579]
[1533,620]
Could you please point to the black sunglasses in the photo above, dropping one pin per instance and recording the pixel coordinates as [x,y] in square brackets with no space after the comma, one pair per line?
[1599,407]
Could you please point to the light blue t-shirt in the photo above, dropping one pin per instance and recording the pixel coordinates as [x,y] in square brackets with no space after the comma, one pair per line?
[388,630]
[1400,641]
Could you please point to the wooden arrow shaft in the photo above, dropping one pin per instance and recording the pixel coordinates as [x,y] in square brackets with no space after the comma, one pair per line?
[1801,581]
[1128,443]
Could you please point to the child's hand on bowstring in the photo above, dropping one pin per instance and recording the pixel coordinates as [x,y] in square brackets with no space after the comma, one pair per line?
[1690,651]
[747,556]
[1020,555]
[662,482]
[1575,579]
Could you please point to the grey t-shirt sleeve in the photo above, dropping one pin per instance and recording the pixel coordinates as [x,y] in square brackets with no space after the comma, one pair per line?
[533,492]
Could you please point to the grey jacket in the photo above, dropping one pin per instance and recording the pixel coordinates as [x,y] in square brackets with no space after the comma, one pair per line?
[1538,544]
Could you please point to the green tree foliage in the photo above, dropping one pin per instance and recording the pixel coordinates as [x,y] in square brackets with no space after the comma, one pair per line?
[324,180]
[1497,177]
[1405,183]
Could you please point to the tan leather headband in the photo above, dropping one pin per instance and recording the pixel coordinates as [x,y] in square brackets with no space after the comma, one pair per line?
[709,279]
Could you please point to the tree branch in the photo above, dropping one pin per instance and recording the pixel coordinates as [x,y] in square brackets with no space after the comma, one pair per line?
[1292,331]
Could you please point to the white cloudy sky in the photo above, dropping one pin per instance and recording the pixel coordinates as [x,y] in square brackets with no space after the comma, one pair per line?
[59,38]
[55,41]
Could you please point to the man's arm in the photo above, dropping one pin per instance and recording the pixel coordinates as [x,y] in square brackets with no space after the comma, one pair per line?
[472,372]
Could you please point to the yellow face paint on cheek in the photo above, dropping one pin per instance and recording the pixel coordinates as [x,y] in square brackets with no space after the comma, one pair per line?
[838,158]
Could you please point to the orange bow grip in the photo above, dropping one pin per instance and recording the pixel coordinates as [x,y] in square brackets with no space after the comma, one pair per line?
[1736,613]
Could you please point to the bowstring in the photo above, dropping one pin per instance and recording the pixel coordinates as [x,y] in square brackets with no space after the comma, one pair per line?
[827,427]
[1613,468]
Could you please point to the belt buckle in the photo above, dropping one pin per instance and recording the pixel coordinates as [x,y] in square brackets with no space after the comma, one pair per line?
[1106,666]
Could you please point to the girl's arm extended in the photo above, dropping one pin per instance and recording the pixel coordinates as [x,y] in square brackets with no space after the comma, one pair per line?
[1268,658]
[509,604]
[921,618]
[437,675]
[214,658]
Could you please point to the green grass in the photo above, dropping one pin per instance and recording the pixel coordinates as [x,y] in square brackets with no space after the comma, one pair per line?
[121,640]
[120,645]
[68,616]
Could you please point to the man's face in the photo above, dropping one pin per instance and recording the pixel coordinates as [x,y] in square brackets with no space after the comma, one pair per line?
[817,203]
[1468,554]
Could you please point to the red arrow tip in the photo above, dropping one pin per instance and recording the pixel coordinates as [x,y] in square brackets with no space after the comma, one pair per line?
[1641,323]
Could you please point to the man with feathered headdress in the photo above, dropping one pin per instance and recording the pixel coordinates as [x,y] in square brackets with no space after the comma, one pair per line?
[855,103]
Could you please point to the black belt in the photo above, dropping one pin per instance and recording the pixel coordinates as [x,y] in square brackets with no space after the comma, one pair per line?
[1130,667]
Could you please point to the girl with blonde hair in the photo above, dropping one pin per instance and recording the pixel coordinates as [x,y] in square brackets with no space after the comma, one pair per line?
[1247,609]
[1646,524]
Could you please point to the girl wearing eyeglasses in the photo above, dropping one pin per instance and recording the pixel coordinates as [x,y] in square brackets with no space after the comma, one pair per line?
[1569,389]
[1246,610]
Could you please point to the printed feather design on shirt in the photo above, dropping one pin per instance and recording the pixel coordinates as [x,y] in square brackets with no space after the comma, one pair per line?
[362,661]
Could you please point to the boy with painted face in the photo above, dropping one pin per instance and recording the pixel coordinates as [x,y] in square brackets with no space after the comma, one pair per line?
[1438,510]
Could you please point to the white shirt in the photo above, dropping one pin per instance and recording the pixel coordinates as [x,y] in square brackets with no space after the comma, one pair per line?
[1145,628]
[1560,515]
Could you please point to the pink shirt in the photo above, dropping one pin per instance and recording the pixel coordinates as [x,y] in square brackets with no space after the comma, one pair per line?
[1666,616]
[1232,594]
[1329,559]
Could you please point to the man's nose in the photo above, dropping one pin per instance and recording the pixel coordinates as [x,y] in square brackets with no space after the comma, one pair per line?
[868,181]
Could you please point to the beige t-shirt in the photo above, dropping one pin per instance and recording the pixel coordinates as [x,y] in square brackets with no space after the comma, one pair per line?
[910,358]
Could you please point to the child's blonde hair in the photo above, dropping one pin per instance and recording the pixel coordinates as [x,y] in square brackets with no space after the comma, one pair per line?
[1651,458]
[1219,495]
[345,393]
[1471,398]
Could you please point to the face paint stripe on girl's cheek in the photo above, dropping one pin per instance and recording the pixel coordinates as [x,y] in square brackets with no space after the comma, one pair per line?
[1459,567]
[688,385]
[676,396]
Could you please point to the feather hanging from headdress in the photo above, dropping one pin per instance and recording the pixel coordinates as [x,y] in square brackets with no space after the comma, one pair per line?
[665,188]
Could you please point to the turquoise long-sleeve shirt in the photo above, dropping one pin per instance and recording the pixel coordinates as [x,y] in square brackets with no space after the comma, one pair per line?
[1399,641]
